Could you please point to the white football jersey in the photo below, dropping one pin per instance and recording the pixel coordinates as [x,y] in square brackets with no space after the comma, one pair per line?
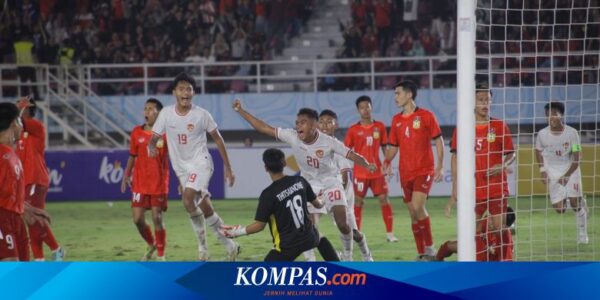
[557,149]
[316,160]
[186,136]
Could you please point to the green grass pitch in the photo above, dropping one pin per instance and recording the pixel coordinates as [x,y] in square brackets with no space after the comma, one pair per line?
[97,231]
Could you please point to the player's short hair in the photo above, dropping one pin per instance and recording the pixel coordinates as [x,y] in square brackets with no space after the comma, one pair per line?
[156,102]
[510,216]
[33,108]
[363,98]
[483,87]
[8,114]
[408,85]
[328,112]
[555,105]
[309,112]
[183,77]
[274,160]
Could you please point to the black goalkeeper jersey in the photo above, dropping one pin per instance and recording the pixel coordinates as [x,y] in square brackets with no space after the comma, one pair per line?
[283,206]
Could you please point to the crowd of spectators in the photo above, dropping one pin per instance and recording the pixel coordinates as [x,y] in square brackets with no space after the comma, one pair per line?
[134,31]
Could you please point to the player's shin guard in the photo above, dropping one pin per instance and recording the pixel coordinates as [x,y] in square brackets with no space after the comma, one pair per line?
[347,245]
[309,255]
[326,250]
[358,215]
[161,241]
[418,238]
[388,217]
[197,220]
[215,223]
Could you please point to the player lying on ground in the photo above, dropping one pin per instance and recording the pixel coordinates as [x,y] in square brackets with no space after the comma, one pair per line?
[283,205]
[558,151]
[148,178]
[314,153]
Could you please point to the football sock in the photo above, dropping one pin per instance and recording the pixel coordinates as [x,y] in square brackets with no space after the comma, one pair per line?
[197,220]
[443,252]
[347,244]
[147,235]
[49,238]
[363,246]
[309,255]
[581,215]
[327,251]
[215,223]
[161,236]
[425,226]
[388,217]
[418,238]
[358,214]
[36,241]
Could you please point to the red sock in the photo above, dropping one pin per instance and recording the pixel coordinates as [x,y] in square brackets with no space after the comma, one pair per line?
[358,215]
[388,217]
[481,253]
[147,235]
[49,239]
[507,245]
[443,252]
[35,240]
[161,241]
[418,238]
[425,225]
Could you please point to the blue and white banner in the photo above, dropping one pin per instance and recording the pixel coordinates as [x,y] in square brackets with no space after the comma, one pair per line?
[147,281]
[97,175]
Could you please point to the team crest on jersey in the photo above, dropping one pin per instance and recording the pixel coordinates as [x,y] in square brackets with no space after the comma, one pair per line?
[376,134]
[320,153]
[190,127]
[566,146]
[141,140]
[5,156]
[160,143]
[25,134]
[491,136]
[417,122]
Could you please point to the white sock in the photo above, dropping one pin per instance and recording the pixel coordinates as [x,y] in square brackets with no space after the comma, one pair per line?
[215,223]
[309,255]
[581,216]
[364,248]
[198,225]
[347,244]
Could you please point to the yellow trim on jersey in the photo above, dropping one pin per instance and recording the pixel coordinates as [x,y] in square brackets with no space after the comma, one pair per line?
[275,233]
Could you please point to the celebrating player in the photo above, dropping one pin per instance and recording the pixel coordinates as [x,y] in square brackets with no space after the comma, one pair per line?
[558,151]
[150,184]
[412,131]
[185,126]
[14,244]
[367,137]
[328,124]
[494,152]
[314,153]
[30,149]
[283,206]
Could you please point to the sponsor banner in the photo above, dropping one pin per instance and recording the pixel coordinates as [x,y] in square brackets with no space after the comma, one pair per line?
[252,178]
[84,280]
[97,175]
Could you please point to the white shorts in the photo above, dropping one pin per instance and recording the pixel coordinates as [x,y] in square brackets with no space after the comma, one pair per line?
[197,178]
[559,192]
[333,196]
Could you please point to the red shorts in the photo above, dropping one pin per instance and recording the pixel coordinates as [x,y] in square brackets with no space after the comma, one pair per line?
[494,206]
[13,236]
[421,183]
[149,201]
[38,198]
[377,185]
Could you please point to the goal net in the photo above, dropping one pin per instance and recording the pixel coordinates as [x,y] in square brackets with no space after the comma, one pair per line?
[531,52]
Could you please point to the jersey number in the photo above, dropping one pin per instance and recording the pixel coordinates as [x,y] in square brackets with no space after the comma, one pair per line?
[479,145]
[137,197]
[313,162]
[182,138]
[295,206]
[9,240]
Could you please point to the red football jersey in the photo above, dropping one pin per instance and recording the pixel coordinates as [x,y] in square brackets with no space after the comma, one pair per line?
[367,140]
[492,142]
[30,149]
[12,189]
[413,134]
[150,174]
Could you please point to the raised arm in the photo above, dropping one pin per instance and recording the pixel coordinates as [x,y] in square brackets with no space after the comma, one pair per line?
[257,124]
[216,136]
